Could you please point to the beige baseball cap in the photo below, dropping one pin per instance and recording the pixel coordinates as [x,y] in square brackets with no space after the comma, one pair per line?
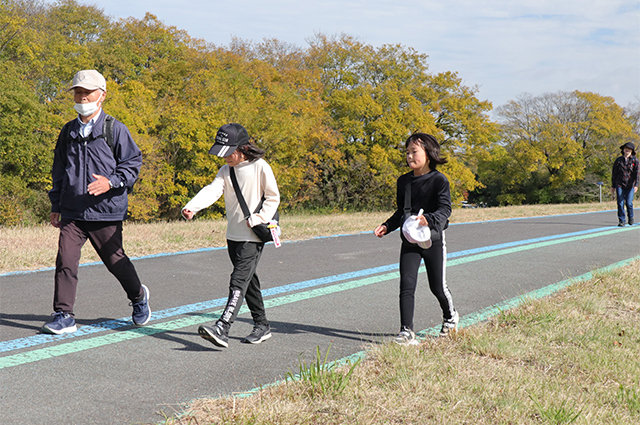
[89,79]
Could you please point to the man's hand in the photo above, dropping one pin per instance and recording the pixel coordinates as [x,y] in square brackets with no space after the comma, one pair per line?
[54,219]
[99,186]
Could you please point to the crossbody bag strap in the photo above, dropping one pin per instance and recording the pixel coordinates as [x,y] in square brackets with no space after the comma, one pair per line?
[407,197]
[236,188]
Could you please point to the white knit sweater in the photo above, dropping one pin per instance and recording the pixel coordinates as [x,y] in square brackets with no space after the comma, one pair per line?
[255,179]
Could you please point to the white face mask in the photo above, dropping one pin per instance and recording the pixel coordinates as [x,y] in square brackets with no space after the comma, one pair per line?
[86,109]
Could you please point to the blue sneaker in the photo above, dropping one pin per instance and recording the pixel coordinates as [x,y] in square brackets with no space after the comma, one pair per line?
[62,323]
[141,311]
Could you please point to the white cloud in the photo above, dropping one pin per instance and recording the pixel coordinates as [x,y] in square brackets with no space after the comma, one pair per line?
[505,47]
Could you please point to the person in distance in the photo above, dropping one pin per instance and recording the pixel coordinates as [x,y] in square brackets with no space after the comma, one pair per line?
[625,177]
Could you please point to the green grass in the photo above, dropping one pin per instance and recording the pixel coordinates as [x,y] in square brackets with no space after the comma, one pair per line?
[321,377]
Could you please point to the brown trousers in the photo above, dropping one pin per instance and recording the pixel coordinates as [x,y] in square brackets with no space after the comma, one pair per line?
[106,238]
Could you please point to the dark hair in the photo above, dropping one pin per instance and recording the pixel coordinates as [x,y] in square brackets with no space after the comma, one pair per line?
[430,146]
[250,151]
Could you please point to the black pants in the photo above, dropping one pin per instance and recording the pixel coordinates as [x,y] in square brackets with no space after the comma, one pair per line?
[435,259]
[244,282]
[106,238]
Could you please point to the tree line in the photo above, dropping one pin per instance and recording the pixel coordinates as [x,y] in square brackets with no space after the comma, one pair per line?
[332,116]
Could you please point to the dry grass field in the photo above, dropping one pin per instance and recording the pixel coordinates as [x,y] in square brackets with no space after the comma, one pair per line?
[34,247]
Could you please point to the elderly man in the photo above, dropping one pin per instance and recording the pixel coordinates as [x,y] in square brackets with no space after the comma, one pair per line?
[96,162]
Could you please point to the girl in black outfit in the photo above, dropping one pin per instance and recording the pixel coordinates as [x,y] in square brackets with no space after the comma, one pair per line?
[429,192]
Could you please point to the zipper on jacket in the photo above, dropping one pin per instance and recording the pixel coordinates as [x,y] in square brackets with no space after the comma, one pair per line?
[84,177]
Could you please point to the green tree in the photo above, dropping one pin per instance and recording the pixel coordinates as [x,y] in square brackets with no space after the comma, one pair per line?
[555,147]
[24,149]
[332,117]
[378,97]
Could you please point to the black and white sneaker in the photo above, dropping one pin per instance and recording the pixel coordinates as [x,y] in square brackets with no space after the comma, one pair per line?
[259,333]
[406,337]
[449,326]
[218,335]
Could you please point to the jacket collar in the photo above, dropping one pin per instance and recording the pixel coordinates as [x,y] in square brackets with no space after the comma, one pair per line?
[96,131]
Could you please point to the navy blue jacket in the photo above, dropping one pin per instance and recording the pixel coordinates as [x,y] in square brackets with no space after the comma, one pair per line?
[76,159]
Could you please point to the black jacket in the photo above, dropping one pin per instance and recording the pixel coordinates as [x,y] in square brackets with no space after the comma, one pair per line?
[429,192]
[625,173]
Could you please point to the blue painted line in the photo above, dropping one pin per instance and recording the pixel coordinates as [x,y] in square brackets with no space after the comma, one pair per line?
[40,339]
[526,242]
[533,218]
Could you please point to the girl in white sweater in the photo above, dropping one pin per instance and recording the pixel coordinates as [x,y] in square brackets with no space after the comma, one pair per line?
[256,181]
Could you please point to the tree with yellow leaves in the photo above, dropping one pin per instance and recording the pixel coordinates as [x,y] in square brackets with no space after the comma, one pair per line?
[555,148]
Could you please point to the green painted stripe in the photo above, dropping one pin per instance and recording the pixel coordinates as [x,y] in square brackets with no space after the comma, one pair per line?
[173,325]
[101,341]
[477,317]
[470,319]
[536,245]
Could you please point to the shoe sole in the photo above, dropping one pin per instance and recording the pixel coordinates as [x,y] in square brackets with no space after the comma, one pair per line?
[146,291]
[263,338]
[212,338]
[451,331]
[68,330]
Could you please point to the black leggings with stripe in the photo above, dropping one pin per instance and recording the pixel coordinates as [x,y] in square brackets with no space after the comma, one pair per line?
[435,259]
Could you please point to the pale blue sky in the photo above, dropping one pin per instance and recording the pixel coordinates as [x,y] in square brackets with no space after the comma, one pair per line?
[504,47]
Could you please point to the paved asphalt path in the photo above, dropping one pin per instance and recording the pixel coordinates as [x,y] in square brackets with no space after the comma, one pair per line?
[339,292]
